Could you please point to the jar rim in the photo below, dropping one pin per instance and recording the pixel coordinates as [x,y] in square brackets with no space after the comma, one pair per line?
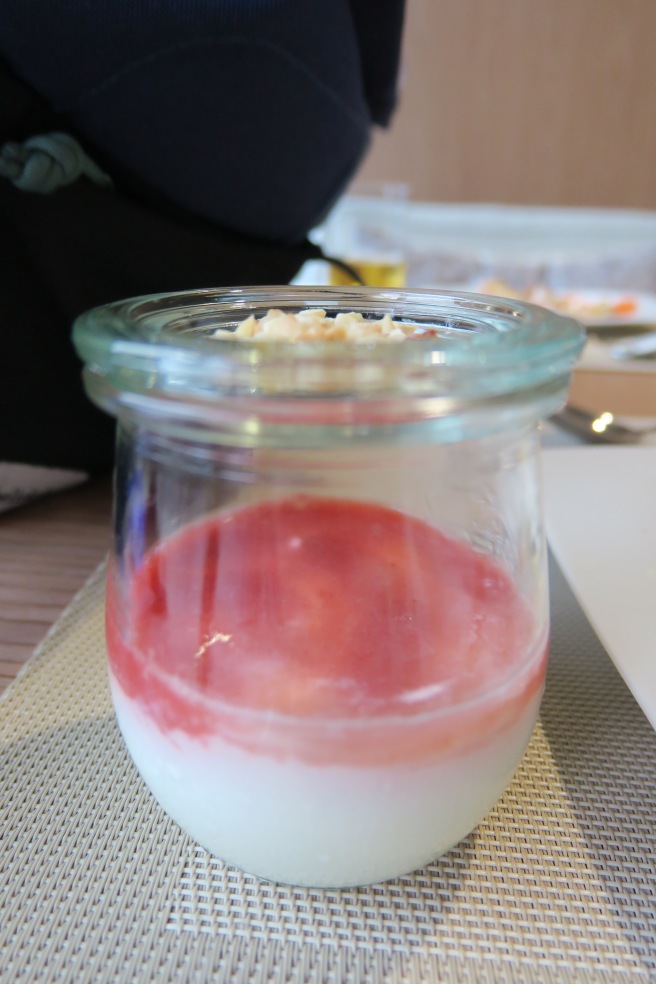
[158,349]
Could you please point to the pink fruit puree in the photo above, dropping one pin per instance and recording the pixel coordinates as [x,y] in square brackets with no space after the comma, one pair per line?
[327,630]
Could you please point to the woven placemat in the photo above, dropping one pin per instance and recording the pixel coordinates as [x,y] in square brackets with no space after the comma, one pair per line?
[96,884]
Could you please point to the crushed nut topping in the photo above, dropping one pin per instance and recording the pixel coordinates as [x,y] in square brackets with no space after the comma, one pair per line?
[314,325]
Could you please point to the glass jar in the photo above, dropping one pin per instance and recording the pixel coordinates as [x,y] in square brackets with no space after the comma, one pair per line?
[327,603]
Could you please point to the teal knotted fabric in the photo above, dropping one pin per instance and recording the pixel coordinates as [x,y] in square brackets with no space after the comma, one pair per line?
[47,162]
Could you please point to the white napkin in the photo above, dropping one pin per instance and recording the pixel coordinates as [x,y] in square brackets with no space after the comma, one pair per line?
[21,483]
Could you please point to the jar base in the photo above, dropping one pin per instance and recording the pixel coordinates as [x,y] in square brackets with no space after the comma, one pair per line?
[319,826]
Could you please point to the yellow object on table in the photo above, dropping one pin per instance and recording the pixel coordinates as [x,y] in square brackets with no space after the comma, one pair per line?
[372,273]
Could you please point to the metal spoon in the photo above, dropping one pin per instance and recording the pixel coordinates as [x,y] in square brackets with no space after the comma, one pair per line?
[599,428]
[640,346]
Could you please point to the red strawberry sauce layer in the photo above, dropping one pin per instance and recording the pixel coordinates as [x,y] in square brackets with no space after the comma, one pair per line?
[332,631]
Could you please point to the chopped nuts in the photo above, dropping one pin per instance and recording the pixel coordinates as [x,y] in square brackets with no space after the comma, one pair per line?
[314,325]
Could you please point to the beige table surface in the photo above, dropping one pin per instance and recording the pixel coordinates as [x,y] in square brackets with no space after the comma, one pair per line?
[47,551]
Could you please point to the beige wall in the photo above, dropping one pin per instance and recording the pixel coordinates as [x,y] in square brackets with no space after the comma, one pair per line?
[525,101]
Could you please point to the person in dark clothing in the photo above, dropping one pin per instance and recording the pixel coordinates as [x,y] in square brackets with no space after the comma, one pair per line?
[155,146]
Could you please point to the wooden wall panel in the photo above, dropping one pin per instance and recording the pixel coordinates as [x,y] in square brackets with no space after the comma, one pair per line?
[527,102]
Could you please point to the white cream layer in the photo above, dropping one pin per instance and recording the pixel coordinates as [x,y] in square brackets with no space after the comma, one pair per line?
[319,825]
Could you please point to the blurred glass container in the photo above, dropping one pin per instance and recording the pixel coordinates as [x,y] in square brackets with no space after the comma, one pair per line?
[327,608]
[456,245]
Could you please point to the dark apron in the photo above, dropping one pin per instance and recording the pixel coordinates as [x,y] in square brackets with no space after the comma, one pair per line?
[73,249]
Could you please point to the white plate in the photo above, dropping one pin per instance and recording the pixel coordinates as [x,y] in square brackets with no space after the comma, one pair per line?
[597,307]
[601,524]
[593,307]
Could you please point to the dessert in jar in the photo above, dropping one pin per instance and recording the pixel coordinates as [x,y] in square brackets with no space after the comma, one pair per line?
[327,604]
